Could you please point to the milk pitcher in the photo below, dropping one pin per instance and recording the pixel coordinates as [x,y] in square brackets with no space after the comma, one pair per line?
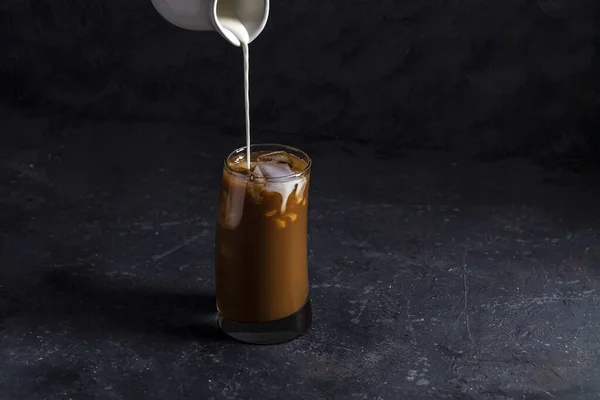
[209,15]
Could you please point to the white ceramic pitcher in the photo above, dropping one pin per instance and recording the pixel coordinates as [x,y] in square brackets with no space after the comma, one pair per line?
[205,15]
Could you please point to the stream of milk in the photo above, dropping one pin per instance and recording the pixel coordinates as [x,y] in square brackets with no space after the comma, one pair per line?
[236,27]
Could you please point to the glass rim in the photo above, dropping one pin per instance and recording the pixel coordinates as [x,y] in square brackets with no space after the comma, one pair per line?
[284,147]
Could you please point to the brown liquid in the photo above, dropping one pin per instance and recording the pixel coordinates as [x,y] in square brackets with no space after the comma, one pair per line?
[261,255]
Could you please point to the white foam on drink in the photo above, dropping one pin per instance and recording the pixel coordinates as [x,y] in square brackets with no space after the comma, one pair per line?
[235,26]
[285,188]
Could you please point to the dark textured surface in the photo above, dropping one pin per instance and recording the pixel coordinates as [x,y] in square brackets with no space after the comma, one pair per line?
[495,78]
[444,264]
[433,275]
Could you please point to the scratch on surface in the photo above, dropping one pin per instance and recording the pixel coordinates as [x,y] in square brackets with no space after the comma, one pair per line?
[410,325]
[541,300]
[174,249]
[335,278]
[393,305]
[149,225]
[545,368]
[362,308]
[545,274]
[344,348]
[364,207]
[466,290]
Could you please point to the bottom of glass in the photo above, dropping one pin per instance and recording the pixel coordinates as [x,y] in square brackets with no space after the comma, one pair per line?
[274,332]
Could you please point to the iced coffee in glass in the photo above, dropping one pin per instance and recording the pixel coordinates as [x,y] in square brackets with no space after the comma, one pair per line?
[261,269]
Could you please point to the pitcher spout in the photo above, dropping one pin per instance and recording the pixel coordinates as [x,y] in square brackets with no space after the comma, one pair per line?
[212,15]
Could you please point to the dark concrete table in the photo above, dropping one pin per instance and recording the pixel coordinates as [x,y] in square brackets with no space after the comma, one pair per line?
[432,275]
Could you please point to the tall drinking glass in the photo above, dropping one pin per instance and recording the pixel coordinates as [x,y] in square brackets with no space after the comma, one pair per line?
[261,268]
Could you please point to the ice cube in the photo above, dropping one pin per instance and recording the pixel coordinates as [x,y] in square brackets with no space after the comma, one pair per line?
[278,170]
[275,157]
[257,173]
[274,170]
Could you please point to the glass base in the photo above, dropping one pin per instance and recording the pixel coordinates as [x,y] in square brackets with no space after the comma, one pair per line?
[275,332]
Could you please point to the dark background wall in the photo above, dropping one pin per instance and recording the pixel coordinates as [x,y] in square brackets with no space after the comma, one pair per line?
[492,78]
